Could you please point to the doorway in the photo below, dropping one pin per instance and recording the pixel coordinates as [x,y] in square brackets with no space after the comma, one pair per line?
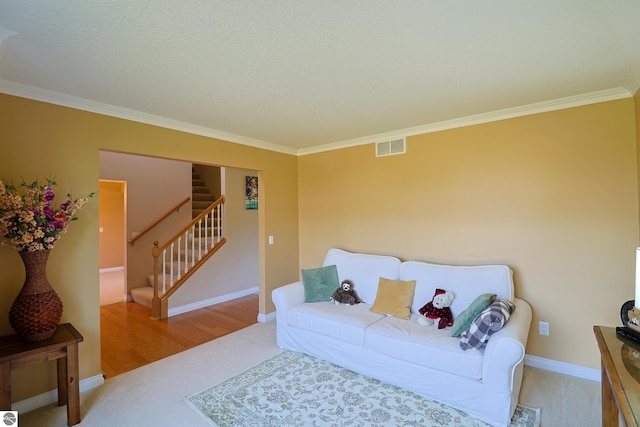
[112,241]
[232,278]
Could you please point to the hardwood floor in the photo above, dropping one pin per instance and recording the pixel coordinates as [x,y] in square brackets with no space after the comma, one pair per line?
[130,339]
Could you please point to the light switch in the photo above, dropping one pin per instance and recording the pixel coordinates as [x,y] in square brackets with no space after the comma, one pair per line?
[271,240]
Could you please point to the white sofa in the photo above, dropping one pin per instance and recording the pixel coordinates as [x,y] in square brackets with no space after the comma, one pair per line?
[424,359]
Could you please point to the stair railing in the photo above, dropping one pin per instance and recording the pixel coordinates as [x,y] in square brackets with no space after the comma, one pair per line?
[158,221]
[176,260]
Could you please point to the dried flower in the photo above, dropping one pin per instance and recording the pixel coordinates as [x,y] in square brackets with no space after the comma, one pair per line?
[28,219]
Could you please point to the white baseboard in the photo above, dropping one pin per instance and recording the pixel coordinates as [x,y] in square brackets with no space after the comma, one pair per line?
[563,368]
[111,269]
[211,301]
[50,397]
[264,318]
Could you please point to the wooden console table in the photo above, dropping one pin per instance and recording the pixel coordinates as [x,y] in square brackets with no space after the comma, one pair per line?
[62,347]
[620,360]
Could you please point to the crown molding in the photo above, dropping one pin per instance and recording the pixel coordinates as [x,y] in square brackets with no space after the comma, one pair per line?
[50,97]
[507,113]
[37,94]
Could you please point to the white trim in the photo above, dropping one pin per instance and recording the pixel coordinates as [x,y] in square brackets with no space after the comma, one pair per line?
[269,317]
[111,269]
[211,301]
[51,97]
[31,92]
[563,368]
[51,396]
[507,113]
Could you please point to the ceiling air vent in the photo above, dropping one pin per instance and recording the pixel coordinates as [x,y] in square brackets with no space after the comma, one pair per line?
[389,148]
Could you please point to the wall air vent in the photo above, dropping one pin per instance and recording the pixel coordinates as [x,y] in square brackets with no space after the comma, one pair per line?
[389,148]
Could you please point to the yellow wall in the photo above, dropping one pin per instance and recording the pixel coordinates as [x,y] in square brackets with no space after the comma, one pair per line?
[111,215]
[39,140]
[553,195]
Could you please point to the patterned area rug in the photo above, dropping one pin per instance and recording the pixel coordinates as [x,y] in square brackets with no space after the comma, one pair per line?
[294,389]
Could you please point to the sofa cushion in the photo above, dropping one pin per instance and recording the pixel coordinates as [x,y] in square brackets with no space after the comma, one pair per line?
[343,322]
[425,346]
[320,283]
[364,270]
[466,282]
[394,297]
[464,319]
[490,321]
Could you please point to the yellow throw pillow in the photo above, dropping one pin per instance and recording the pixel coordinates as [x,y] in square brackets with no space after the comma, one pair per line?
[394,298]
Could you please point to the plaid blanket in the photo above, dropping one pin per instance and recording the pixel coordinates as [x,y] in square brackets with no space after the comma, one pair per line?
[491,320]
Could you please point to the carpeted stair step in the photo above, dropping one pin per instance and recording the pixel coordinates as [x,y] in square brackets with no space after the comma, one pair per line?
[198,207]
[150,282]
[207,197]
[201,204]
[144,294]
[199,189]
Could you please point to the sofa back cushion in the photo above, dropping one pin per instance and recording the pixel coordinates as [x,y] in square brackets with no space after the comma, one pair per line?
[466,282]
[364,270]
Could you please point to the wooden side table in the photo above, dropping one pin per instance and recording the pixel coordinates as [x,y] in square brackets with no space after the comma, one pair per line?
[62,347]
[620,363]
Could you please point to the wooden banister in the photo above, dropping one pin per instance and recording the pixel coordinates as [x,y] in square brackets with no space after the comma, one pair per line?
[158,249]
[189,255]
[159,220]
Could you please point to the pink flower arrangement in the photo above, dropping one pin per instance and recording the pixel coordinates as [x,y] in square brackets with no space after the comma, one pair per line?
[28,219]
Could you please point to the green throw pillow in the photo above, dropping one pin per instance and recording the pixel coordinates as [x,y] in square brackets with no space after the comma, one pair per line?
[320,283]
[464,319]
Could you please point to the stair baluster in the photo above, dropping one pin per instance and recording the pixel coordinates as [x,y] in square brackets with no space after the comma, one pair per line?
[171,276]
[164,272]
[210,239]
[193,247]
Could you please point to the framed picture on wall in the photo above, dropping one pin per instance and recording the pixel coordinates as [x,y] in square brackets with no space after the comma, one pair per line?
[251,194]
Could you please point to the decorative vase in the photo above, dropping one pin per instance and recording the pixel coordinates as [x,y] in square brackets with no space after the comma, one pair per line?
[36,311]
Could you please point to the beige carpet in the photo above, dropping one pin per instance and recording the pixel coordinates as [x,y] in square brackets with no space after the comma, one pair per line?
[295,389]
[153,395]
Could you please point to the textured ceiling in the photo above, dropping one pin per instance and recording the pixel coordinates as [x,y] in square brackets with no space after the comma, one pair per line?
[297,74]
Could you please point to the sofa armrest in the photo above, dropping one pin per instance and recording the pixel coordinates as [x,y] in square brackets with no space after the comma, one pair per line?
[287,296]
[506,348]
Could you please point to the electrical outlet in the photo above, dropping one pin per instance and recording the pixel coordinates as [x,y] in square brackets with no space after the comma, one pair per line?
[543,328]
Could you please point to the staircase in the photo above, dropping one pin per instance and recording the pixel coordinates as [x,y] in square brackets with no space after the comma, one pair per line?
[201,197]
[177,259]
